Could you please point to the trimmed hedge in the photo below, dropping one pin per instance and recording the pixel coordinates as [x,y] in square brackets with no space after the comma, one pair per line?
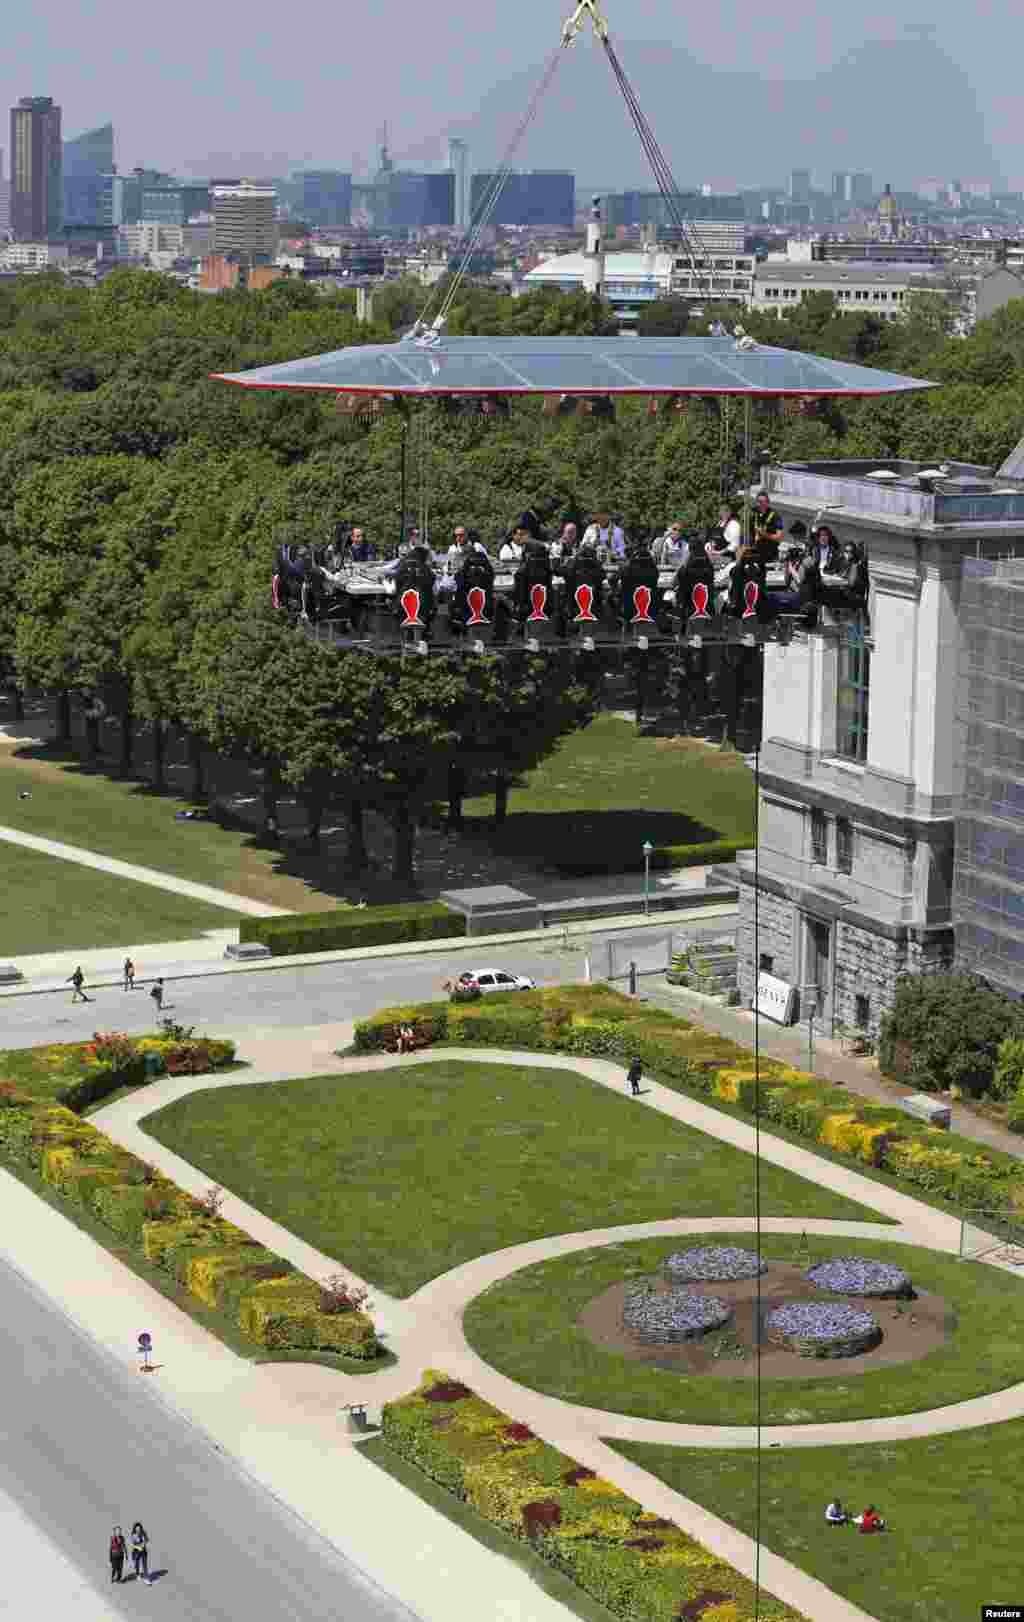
[638,1565]
[353,927]
[596,856]
[217,1263]
[597,1022]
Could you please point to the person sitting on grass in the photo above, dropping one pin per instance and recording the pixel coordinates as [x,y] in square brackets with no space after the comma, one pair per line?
[835,1514]
[870,1521]
[406,1038]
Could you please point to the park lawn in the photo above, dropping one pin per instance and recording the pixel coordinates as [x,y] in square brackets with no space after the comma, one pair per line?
[51,905]
[606,790]
[403,1174]
[527,1327]
[952,1504]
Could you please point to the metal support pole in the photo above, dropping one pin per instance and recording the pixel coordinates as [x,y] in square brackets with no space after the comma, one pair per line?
[632,978]
[404,474]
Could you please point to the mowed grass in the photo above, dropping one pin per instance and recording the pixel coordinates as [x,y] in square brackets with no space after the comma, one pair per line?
[527,1326]
[51,905]
[952,1504]
[402,1174]
[607,789]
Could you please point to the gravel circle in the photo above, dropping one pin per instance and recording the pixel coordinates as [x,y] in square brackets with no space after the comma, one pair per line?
[713,1263]
[676,1315]
[856,1275]
[823,1329]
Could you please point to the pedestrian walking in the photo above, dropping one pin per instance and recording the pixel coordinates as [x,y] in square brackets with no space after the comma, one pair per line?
[157,994]
[140,1552]
[129,974]
[633,1075]
[78,981]
[118,1550]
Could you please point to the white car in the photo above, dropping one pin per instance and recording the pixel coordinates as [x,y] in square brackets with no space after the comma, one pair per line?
[497,980]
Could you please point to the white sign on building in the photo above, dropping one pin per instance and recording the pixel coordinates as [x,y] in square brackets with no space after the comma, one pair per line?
[776,999]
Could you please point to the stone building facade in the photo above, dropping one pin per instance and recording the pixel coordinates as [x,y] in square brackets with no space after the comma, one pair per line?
[861,766]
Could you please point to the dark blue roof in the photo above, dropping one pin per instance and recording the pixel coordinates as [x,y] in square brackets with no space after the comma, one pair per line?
[573,366]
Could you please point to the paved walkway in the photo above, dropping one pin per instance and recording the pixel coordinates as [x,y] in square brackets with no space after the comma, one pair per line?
[860,1075]
[425,1330]
[142,875]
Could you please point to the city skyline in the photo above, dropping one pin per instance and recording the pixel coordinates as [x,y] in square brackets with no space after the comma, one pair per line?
[215,110]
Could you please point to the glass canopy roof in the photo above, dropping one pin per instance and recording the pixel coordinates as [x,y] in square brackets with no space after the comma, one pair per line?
[573,366]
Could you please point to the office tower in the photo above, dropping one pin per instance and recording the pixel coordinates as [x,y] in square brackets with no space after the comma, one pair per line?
[174,205]
[862,189]
[245,220]
[648,211]
[458,163]
[37,194]
[325,197]
[91,153]
[842,186]
[799,185]
[535,197]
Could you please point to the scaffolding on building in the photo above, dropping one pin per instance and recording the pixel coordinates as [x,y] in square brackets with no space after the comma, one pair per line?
[988,879]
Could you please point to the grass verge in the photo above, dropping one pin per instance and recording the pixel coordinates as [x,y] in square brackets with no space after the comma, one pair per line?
[406,1173]
[551,1582]
[526,1327]
[218,1323]
[952,1504]
[51,905]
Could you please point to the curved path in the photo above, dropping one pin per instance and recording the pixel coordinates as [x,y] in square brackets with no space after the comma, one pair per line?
[425,1330]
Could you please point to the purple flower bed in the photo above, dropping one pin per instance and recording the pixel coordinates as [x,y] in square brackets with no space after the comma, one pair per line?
[855,1275]
[675,1316]
[823,1328]
[716,1263]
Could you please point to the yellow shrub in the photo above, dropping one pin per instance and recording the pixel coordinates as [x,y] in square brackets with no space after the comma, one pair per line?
[839,1132]
[54,1164]
[872,1139]
[603,1523]
[275,1295]
[204,1273]
[499,1492]
[727,1083]
[728,1611]
[597,1484]
[158,1237]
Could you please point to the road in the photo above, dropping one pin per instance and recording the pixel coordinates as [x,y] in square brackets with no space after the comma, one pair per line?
[85,1445]
[321,994]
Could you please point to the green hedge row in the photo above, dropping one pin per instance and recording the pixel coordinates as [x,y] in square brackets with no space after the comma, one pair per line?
[639,1565]
[597,857]
[350,928]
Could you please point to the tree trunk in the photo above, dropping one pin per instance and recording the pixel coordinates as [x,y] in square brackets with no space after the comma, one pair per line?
[63,716]
[195,760]
[456,790]
[18,698]
[127,736]
[159,774]
[92,736]
[500,799]
[355,848]
[402,868]
[313,801]
[271,791]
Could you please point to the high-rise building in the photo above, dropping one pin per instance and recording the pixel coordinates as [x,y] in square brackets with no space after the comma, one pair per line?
[842,186]
[245,221]
[37,193]
[458,163]
[862,189]
[91,153]
[648,210]
[799,185]
[532,197]
[325,197]
[175,204]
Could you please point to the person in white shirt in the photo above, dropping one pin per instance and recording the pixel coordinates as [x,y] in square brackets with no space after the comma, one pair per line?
[511,551]
[671,550]
[457,550]
[604,534]
[835,1514]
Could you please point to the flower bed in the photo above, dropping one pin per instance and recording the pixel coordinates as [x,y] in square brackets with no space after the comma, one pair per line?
[823,1329]
[638,1565]
[676,1315]
[713,1264]
[856,1275]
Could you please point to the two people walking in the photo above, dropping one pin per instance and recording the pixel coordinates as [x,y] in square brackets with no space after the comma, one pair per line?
[139,1552]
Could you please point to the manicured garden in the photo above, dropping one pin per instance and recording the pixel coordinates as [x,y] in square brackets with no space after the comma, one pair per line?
[528,1327]
[590,807]
[952,1504]
[408,1172]
[52,905]
[638,1565]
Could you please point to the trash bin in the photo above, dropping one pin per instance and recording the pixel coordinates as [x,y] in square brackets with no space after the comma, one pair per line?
[154,1063]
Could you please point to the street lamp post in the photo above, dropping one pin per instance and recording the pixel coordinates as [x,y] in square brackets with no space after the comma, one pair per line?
[648,852]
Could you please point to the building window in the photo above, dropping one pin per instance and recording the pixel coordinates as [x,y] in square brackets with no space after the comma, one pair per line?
[861,1012]
[765,963]
[819,837]
[852,698]
[844,845]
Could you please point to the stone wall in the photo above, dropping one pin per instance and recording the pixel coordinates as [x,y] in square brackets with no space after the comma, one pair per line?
[775,937]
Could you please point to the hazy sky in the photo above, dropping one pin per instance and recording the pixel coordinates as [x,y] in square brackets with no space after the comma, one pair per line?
[312,84]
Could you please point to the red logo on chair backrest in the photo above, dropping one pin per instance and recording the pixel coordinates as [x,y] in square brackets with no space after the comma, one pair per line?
[476,597]
[584,596]
[751,594]
[410,601]
[539,602]
[642,605]
[699,599]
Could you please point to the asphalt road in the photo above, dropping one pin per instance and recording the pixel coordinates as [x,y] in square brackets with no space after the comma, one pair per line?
[86,1445]
[322,994]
